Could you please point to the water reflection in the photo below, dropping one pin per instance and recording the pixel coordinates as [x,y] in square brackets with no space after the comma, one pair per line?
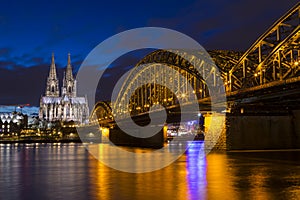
[167,183]
[43,171]
[220,177]
[196,170]
[68,171]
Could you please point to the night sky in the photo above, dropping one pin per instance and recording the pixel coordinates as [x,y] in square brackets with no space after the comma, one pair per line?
[31,30]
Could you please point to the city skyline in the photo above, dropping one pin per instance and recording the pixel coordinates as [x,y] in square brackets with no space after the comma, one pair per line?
[30,36]
[100,100]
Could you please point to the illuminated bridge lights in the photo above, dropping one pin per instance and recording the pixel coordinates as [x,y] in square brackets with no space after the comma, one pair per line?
[273,58]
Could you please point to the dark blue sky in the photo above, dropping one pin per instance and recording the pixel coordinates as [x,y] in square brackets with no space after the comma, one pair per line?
[31,30]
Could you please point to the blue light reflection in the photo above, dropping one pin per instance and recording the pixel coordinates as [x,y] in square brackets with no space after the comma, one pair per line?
[196,170]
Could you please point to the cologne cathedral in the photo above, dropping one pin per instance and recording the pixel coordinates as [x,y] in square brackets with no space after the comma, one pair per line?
[67,106]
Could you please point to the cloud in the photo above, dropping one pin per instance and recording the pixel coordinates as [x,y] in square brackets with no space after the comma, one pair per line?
[23,79]
[8,65]
[223,25]
[23,85]
[5,52]
[36,60]
[214,24]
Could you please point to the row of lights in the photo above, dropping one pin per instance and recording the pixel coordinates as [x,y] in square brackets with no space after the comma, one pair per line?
[69,125]
[200,90]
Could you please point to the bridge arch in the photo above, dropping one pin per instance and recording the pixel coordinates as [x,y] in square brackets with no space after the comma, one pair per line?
[101,113]
[150,68]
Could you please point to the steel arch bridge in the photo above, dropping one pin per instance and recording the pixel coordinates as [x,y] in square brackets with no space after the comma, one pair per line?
[273,59]
[183,74]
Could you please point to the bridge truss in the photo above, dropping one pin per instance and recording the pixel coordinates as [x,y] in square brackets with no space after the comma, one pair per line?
[273,59]
[141,90]
[101,113]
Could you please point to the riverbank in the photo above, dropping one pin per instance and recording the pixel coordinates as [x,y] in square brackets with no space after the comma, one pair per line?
[41,141]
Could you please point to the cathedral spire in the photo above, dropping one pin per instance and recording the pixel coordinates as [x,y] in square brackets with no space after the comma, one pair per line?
[52,72]
[52,82]
[69,73]
[69,84]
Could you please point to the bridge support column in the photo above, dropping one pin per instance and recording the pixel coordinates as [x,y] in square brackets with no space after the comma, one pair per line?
[118,137]
[215,132]
[264,132]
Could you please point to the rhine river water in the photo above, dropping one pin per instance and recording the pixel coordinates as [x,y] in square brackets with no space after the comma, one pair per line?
[68,171]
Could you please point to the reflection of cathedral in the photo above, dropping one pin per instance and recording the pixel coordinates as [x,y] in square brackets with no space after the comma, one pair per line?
[64,107]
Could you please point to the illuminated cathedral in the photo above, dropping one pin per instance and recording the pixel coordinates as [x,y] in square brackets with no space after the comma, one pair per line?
[67,106]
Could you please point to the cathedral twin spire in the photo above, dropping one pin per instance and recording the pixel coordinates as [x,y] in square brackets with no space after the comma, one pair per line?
[64,106]
[69,84]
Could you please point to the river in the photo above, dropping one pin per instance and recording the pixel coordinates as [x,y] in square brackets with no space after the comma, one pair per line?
[68,171]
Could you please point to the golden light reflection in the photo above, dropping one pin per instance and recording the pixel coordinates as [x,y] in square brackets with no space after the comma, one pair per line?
[257,179]
[167,183]
[100,178]
[219,178]
[194,175]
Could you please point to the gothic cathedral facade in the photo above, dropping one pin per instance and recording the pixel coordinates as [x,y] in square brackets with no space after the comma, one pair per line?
[67,106]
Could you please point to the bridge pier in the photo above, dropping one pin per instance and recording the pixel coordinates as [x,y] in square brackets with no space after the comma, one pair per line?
[276,131]
[215,132]
[119,137]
